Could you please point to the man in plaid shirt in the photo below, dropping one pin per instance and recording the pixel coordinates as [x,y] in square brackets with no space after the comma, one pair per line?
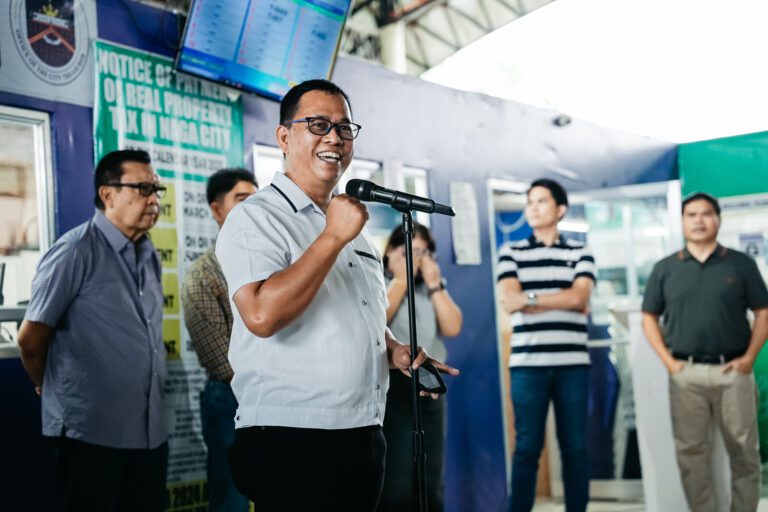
[208,316]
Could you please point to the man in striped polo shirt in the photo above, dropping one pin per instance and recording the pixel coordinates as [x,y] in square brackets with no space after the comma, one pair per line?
[544,283]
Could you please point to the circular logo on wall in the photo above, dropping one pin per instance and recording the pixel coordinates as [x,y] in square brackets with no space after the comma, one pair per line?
[51,37]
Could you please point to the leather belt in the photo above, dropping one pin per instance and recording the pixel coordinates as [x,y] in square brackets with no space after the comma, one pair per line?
[707,358]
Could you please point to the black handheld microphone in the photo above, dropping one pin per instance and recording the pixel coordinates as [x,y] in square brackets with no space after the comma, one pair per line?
[367,191]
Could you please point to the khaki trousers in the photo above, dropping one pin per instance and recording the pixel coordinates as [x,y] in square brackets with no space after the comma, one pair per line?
[700,395]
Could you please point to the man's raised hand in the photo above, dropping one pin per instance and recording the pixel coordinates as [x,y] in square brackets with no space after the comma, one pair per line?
[345,218]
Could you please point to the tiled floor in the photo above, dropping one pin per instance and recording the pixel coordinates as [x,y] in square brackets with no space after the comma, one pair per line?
[600,506]
[613,506]
[610,506]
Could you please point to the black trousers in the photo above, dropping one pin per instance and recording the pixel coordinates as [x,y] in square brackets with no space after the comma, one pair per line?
[103,479]
[287,469]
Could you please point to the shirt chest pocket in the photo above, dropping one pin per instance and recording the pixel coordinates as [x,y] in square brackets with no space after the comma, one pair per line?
[370,271]
[368,258]
[732,288]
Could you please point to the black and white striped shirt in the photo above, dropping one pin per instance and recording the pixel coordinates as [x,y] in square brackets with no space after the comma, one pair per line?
[555,337]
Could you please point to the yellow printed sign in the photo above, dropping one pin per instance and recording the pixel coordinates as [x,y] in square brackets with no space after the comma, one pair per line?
[190,497]
[168,203]
[170,293]
[172,338]
[167,246]
[187,496]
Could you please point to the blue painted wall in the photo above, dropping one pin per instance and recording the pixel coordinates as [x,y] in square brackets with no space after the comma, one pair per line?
[456,136]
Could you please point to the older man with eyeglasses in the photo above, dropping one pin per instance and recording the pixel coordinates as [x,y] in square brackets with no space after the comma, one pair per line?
[92,344]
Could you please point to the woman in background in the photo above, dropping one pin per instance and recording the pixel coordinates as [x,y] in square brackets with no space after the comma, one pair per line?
[436,316]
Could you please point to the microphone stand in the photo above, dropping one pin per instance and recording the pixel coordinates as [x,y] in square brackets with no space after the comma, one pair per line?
[404,203]
[419,454]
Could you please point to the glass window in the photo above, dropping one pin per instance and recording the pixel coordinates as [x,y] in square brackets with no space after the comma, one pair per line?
[744,226]
[26,223]
[267,161]
[628,229]
[382,219]
[415,182]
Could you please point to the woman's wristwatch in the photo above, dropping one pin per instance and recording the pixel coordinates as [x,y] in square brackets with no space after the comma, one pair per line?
[533,299]
[438,288]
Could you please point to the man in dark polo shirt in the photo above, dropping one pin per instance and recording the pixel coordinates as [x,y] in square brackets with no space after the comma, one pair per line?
[702,294]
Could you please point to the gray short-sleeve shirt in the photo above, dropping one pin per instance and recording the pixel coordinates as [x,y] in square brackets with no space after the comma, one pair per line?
[328,369]
[426,322]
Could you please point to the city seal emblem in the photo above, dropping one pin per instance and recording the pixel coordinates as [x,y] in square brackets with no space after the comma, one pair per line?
[51,37]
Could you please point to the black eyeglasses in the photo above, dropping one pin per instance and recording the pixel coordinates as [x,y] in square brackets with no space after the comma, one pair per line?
[321,126]
[146,189]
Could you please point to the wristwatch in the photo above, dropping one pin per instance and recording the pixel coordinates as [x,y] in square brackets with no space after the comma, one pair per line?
[440,287]
[533,299]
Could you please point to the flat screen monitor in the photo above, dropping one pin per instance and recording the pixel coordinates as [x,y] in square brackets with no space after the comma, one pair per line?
[262,46]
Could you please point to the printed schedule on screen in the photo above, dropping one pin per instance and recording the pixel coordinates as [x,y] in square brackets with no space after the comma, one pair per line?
[262,46]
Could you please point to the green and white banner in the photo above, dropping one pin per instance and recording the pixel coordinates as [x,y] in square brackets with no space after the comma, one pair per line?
[190,128]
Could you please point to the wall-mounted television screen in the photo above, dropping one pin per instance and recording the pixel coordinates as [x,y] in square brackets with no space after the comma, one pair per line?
[262,46]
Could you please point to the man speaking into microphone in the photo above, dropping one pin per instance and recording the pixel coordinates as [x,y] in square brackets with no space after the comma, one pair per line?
[310,348]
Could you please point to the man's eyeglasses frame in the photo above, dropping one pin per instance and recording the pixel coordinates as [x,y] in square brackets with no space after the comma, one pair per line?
[145,188]
[354,128]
